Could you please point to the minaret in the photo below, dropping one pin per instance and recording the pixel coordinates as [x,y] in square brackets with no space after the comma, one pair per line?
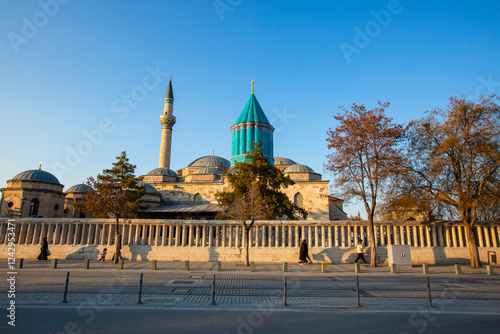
[167,121]
[251,126]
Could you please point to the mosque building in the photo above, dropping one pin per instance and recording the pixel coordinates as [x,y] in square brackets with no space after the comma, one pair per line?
[188,193]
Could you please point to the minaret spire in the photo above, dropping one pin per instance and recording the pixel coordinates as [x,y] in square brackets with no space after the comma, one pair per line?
[252,86]
[167,121]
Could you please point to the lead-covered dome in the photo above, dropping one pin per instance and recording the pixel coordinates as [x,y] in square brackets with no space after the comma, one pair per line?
[298,168]
[150,190]
[163,171]
[210,161]
[79,189]
[206,171]
[37,175]
[280,161]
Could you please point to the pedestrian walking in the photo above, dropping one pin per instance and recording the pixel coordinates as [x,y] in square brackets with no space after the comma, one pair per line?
[304,252]
[103,255]
[44,250]
[359,250]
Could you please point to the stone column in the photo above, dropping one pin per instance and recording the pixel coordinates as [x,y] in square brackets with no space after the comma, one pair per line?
[486,236]
[454,236]
[428,234]
[422,236]
[434,237]
[171,235]
[448,237]
[204,236]
[210,236]
[494,236]
[480,236]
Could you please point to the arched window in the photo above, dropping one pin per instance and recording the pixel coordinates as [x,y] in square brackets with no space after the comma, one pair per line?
[298,200]
[34,207]
[198,198]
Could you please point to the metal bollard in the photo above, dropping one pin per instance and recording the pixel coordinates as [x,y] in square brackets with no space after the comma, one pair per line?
[358,304]
[65,300]
[284,292]
[458,269]
[186,265]
[285,267]
[393,268]
[19,263]
[252,266]
[140,291]
[489,270]
[53,264]
[86,263]
[213,291]
[323,267]
[219,266]
[357,267]
[425,269]
[429,293]
[153,265]
[120,264]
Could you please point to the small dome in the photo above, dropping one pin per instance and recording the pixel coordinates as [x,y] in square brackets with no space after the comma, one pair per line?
[210,161]
[298,168]
[206,171]
[79,189]
[163,171]
[37,175]
[280,161]
[232,170]
[150,190]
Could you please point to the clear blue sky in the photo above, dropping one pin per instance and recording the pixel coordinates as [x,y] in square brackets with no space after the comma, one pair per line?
[73,66]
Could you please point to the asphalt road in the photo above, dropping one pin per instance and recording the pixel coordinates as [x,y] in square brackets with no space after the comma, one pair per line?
[140,319]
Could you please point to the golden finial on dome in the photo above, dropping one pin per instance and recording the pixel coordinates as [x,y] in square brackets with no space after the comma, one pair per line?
[40,166]
[252,86]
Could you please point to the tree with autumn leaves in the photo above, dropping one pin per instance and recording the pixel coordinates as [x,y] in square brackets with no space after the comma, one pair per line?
[366,153]
[256,194]
[115,192]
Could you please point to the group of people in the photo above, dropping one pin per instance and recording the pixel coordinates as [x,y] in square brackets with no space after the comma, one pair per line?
[304,252]
[44,251]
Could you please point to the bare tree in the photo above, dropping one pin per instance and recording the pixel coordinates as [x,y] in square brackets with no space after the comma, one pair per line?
[365,154]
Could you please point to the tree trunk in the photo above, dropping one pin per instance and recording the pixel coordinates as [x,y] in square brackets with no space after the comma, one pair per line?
[472,244]
[247,242]
[373,244]
[118,242]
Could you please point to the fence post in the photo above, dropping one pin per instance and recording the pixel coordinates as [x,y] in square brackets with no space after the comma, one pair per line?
[284,292]
[357,268]
[252,266]
[393,268]
[186,265]
[219,266]
[358,304]
[425,269]
[489,270]
[213,291]
[458,269]
[86,263]
[19,263]
[323,267]
[65,300]
[140,291]
[53,264]
[285,267]
[429,292]
[120,264]
[153,265]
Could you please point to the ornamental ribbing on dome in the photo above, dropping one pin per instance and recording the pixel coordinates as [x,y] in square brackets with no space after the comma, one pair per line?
[79,189]
[210,161]
[280,161]
[206,171]
[163,171]
[38,176]
[298,168]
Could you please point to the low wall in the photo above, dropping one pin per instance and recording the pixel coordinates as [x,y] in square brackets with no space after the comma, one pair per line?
[271,241]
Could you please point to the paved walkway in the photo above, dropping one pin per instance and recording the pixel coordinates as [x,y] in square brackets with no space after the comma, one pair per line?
[236,287]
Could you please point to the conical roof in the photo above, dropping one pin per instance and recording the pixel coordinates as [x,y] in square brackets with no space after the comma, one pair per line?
[170,91]
[252,112]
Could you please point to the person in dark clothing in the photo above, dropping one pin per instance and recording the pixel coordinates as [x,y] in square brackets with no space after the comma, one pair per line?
[304,252]
[43,249]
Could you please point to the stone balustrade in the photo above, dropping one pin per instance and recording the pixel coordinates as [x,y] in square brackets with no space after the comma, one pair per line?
[330,241]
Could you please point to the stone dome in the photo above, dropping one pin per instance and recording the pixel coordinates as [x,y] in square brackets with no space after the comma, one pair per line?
[298,168]
[279,161]
[210,161]
[232,170]
[163,171]
[206,171]
[37,175]
[150,190]
[79,189]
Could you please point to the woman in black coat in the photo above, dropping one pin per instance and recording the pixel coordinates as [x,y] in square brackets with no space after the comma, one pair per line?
[304,252]
[43,249]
